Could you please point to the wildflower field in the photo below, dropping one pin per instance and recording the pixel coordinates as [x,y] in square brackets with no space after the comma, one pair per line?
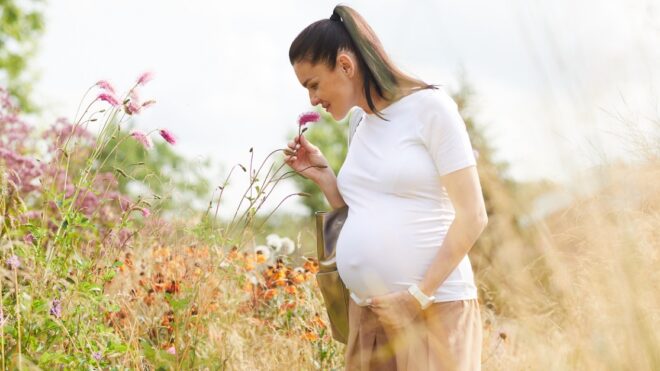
[96,278]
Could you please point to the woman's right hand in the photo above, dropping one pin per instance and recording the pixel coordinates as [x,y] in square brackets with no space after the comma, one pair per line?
[306,159]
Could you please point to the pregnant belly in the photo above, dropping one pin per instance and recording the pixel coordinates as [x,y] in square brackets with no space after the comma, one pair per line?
[378,255]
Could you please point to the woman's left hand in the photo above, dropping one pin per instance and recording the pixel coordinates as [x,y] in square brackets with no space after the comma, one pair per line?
[396,309]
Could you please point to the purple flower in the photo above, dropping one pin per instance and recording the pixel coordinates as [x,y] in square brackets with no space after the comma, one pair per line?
[105,85]
[97,356]
[169,138]
[56,308]
[145,78]
[308,117]
[13,262]
[142,138]
[28,239]
[110,98]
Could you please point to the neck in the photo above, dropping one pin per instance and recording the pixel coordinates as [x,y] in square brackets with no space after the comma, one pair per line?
[379,103]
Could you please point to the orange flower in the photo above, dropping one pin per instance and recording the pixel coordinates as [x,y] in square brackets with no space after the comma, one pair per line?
[172,287]
[311,265]
[309,336]
[270,293]
[298,278]
[290,289]
[318,321]
[233,253]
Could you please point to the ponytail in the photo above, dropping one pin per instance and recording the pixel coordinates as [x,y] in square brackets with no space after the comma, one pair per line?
[347,30]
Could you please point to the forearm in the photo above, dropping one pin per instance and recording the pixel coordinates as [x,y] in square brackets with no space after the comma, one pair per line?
[328,185]
[460,238]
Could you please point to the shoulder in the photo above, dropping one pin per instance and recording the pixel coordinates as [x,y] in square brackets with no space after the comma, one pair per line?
[435,99]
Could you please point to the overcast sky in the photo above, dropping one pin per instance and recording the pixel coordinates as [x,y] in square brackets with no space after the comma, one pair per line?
[550,76]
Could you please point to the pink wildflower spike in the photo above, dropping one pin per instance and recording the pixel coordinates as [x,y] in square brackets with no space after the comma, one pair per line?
[148,103]
[171,350]
[169,138]
[133,106]
[110,98]
[145,78]
[142,138]
[105,85]
[308,117]
[145,212]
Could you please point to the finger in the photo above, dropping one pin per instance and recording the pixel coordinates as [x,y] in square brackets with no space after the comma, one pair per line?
[288,151]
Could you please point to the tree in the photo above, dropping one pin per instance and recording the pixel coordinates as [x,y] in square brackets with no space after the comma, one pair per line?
[20,28]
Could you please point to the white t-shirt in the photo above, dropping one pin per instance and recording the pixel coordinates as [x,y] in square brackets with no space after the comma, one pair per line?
[399,211]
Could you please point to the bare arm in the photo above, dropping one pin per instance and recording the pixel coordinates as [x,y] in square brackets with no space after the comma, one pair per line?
[464,191]
[328,185]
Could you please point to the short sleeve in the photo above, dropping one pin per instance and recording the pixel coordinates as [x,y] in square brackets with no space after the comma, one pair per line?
[443,132]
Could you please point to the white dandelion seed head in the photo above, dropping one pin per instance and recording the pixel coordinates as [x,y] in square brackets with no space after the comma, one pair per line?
[288,246]
[274,242]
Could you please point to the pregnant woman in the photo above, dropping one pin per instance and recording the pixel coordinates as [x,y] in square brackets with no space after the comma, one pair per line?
[415,202]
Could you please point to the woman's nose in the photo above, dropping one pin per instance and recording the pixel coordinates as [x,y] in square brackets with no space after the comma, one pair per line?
[314,100]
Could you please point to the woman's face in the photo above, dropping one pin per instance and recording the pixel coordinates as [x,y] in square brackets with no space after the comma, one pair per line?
[336,90]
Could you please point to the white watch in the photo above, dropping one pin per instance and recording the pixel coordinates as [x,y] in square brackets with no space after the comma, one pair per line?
[424,301]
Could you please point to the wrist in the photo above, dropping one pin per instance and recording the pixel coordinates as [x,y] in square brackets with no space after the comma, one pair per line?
[327,177]
[424,300]
[428,291]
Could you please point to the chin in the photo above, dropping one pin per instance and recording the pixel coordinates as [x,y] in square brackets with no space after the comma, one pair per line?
[338,115]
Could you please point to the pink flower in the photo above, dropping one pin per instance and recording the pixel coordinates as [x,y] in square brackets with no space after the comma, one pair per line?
[145,78]
[142,138]
[145,212]
[169,138]
[133,105]
[110,98]
[308,117]
[104,84]
[171,350]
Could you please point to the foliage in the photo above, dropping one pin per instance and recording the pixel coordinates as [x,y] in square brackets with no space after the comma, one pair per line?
[20,28]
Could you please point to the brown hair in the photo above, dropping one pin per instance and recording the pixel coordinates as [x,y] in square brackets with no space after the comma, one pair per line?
[347,30]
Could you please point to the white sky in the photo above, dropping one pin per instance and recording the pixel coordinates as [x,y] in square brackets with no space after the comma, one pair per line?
[548,75]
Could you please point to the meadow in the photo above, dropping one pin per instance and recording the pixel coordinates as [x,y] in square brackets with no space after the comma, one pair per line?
[94,278]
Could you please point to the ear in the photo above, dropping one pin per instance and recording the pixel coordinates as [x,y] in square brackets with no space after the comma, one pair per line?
[346,64]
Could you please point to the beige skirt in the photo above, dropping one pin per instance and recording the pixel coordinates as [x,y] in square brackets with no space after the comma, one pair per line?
[445,336]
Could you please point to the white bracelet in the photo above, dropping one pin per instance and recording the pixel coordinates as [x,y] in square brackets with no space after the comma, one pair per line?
[424,301]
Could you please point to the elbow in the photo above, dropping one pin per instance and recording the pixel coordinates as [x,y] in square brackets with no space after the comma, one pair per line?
[482,221]
[479,220]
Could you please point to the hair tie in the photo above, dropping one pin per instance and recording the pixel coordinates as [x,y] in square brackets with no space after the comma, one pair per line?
[335,17]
